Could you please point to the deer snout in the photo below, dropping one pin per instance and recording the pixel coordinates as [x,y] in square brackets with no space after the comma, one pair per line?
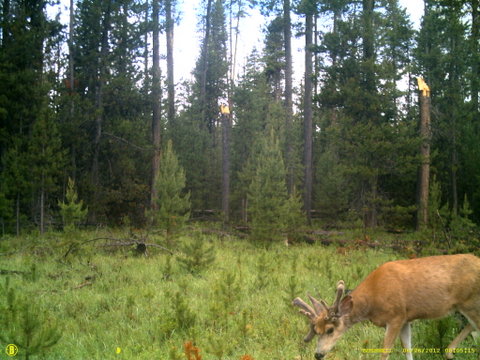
[319,356]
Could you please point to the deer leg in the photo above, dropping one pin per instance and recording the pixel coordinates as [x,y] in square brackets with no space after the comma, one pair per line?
[460,337]
[406,339]
[470,311]
[391,333]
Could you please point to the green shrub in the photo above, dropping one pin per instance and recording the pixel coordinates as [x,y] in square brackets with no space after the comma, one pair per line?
[25,324]
[196,255]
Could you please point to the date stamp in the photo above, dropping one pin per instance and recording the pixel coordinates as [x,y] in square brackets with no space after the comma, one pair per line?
[422,351]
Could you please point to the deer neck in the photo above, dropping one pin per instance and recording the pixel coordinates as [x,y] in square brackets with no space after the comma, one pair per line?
[360,310]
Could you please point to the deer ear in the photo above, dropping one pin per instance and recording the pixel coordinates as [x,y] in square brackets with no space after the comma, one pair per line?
[345,306]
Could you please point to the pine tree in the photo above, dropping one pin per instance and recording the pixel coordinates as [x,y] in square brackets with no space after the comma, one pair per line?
[251,100]
[270,210]
[25,323]
[112,113]
[25,35]
[47,158]
[72,210]
[366,137]
[173,203]
[196,255]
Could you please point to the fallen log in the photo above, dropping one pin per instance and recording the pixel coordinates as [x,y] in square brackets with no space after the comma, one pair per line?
[140,245]
[14,272]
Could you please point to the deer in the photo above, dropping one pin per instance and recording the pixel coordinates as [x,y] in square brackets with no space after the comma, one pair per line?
[395,294]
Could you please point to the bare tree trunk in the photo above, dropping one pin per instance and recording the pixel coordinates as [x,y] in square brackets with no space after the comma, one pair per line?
[170,73]
[287,34]
[371,193]
[156,100]
[17,211]
[454,168]
[368,45]
[308,126]
[5,14]
[70,54]
[475,37]
[226,115]
[369,114]
[424,171]
[99,104]
[203,80]
[42,205]
[145,50]
[71,67]
[226,130]
[235,48]
[316,63]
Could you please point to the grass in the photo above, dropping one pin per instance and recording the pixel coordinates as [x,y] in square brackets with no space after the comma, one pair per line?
[120,306]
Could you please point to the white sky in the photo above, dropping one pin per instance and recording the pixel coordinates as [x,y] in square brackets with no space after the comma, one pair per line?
[187,39]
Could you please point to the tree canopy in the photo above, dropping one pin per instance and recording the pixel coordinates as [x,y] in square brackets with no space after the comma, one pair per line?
[86,101]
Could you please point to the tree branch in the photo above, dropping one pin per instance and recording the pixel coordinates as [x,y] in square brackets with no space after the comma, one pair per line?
[127,142]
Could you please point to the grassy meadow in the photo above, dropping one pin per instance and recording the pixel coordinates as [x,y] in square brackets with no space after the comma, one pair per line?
[108,303]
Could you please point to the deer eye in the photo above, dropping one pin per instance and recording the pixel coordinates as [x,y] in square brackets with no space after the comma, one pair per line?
[330,330]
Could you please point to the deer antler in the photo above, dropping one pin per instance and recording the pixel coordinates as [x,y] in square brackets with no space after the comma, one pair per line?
[310,312]
[318,305]
[305,308]
[311,334]
[340,291]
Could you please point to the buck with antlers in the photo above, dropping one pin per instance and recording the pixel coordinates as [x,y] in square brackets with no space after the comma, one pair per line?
[394,295]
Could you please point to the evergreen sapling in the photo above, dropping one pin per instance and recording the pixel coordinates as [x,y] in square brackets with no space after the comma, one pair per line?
[72,210]
[173,203]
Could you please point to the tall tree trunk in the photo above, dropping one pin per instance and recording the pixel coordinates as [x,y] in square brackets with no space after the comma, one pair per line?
[42,205]
[308,126]
[233,42]
[370,113]
[5,31]
[71,60]
[475,38]
[169,25]
[17,215]
[316,63]
[203,71]
[424,171]
[71,79]
[368,46]
[145,50]
[101,73]
[226,130]
[287,34]
[156,103]
[226,116]
[454,174]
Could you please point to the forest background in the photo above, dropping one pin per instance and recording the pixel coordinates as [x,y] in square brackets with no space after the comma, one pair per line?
[88,102]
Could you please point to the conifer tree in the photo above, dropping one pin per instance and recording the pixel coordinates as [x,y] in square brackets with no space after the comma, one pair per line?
[268,197]
[251,98]
[14,181]
[47,158]
[25,323]
[365,137]
[173,203]
[72,210]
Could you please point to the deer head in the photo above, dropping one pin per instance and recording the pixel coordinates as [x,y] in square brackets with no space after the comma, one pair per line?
[329,323]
